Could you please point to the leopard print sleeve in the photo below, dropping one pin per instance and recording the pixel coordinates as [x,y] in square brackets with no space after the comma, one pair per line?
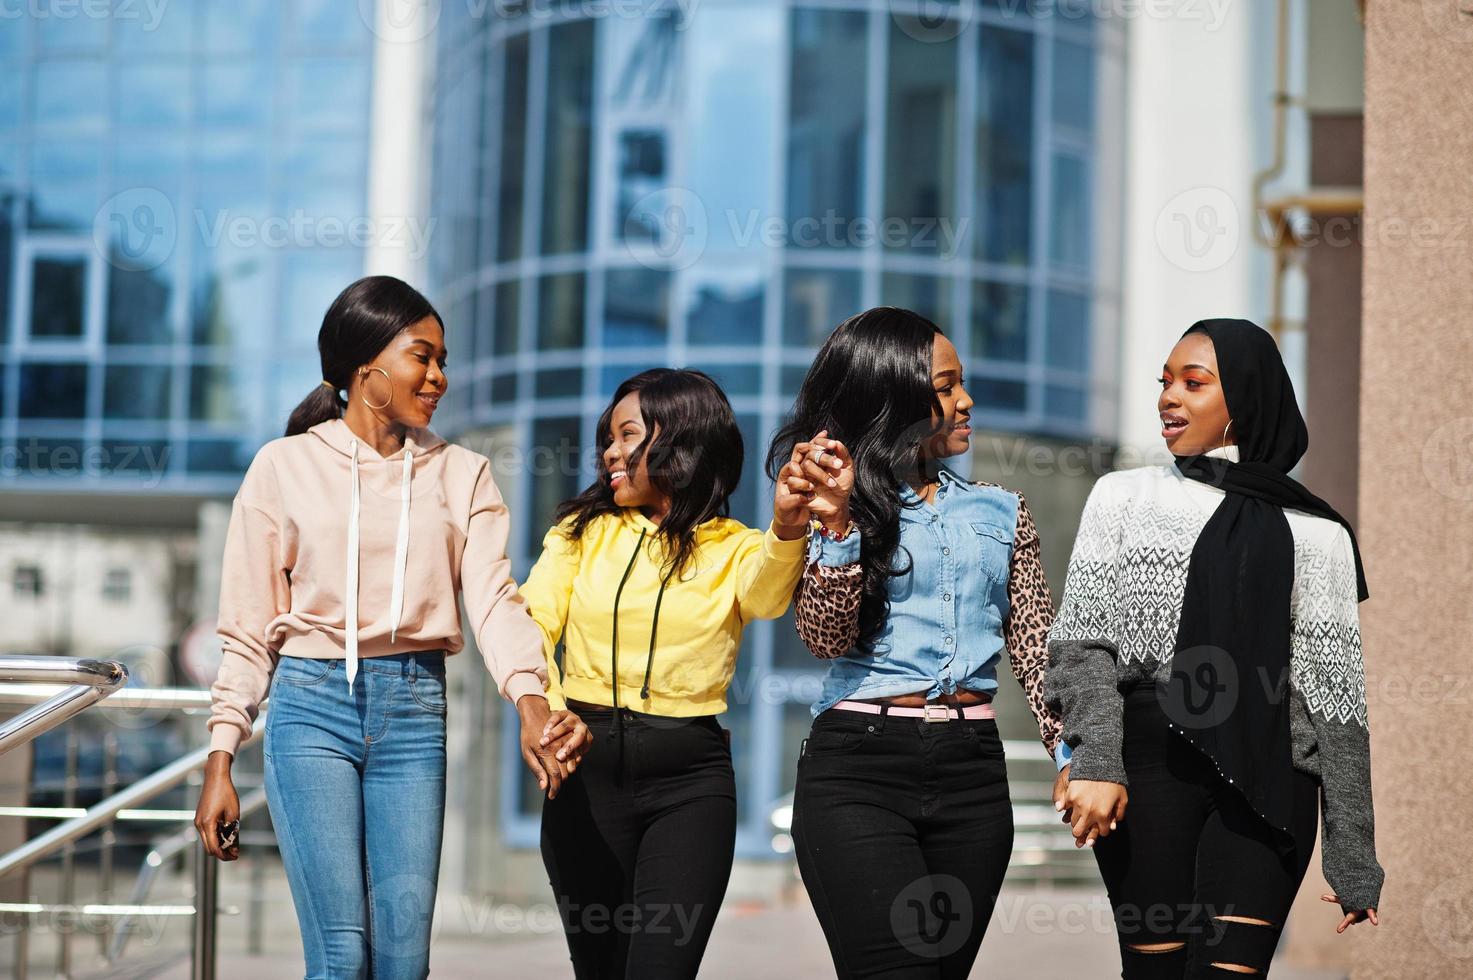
[1030,616]
[826,608]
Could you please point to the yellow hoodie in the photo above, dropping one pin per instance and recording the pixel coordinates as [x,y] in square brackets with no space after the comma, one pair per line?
[737,574]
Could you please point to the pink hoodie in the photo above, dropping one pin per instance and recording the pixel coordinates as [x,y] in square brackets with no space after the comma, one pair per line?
[322,516]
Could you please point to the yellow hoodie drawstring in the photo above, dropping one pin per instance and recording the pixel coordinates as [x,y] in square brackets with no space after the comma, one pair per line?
[644,691]
[649,664]
[619,718]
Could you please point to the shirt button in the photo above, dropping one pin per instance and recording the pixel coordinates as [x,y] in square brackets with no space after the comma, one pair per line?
[946,597]
[946,551]
[948,641]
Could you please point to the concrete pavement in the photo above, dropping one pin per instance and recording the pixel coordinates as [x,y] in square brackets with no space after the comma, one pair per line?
[1055,934]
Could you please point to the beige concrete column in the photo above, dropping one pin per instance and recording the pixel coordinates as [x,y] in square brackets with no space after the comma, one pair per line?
[1416,480]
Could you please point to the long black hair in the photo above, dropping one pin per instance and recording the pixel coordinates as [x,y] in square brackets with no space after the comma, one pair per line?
[870,387]
[693,450]
[358,325]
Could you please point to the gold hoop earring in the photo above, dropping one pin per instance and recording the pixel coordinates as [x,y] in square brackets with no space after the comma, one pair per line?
[364,387]
[1225,431]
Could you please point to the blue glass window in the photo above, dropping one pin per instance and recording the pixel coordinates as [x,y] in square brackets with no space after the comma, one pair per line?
[636,307]
[826,119]
[1004,151]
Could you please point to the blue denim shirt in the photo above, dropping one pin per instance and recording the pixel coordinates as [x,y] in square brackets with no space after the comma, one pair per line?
[944,632]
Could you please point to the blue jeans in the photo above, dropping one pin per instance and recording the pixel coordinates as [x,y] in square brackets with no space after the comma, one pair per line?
[356,788]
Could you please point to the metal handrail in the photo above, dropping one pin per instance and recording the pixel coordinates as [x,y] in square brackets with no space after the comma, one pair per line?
[82,682]
[162,698]
[104,811]
[58,688]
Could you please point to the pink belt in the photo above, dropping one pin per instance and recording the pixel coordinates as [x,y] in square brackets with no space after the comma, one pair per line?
[931,712]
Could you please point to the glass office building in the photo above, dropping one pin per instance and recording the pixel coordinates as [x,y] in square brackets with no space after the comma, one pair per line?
[178,189]
[716,186]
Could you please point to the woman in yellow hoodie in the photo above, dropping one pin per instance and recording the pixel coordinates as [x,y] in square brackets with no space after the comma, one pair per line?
[648,585]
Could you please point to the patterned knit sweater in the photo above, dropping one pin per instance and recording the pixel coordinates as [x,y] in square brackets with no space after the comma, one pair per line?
[1118,622]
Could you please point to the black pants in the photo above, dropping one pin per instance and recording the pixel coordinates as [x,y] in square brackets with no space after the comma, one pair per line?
[903,830]
[639,860]
[1190,852]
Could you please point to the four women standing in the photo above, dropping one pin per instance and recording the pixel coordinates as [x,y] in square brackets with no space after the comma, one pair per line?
[910,581]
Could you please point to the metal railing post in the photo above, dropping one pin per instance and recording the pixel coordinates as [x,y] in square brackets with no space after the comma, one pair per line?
[206,909]
[162,853]
[109,835]
[68,859]
[23,947]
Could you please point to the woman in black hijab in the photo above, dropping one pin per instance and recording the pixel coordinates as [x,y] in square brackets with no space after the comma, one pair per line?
[1207,656]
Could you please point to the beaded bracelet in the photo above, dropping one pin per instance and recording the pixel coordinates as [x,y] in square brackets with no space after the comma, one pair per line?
[820,529]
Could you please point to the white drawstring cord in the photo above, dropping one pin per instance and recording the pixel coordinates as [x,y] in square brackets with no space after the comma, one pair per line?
[351,588]
[401,550]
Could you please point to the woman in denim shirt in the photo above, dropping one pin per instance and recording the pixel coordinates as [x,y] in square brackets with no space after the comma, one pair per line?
[916,582]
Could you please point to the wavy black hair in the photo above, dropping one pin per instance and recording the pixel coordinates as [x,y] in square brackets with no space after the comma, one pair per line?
[870,387]
[360,323]
[694,456]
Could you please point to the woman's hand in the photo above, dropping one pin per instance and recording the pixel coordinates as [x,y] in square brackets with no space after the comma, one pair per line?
[1061,793]
[790,512]
[218,803]
[542,760]
[821,472]
[793,497]
[568,737]
[1351,918]
[1097,808]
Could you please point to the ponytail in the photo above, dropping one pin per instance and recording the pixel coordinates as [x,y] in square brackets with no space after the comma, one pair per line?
[322,405]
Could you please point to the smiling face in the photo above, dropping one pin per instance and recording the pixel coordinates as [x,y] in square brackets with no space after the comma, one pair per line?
[415,363]
[953,428]
[1193,408]
[632,488]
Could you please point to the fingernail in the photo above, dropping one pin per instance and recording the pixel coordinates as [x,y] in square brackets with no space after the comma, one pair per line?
[832,483]
[1058,808]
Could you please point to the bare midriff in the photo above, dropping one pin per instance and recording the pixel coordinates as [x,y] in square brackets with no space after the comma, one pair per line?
[962,698]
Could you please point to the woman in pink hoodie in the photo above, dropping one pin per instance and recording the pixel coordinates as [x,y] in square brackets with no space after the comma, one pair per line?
[349,541]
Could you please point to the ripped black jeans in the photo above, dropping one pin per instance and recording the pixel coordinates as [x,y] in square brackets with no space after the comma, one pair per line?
[1191,860]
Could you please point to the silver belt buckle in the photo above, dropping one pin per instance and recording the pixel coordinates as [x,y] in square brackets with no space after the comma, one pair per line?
[943,709]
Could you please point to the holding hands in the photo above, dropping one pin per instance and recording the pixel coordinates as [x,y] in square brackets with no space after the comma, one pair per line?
[1092,808]
[553,742]
[815,483]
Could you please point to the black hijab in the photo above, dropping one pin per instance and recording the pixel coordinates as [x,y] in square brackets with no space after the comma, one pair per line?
[1229,687]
